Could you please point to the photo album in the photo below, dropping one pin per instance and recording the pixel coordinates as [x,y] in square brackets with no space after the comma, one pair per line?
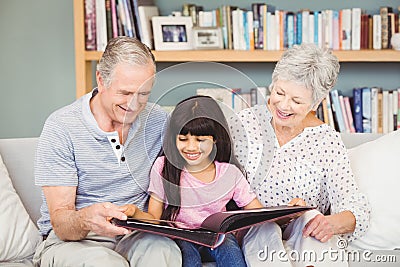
[214,228]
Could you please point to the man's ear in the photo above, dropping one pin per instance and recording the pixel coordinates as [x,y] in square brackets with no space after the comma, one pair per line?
[100,82]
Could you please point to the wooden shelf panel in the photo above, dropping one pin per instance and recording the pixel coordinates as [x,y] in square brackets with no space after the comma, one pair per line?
[259,55]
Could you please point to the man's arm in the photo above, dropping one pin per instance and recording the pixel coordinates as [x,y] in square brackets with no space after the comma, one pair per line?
[70,224]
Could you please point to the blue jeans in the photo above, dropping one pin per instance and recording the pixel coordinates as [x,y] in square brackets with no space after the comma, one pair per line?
[227,254]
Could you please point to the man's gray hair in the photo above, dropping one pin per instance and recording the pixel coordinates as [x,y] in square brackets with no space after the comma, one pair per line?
[315,68]
[123,49]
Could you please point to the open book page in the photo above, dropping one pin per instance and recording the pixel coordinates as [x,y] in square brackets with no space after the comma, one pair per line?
[216,225]
[229,221]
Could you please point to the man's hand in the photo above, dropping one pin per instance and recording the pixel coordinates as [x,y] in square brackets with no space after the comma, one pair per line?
[97,217]
[319,228]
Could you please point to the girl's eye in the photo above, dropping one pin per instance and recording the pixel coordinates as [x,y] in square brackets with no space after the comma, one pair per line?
[279,93]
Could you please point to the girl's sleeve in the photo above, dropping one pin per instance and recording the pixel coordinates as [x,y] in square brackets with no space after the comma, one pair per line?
[242,194]
[156,186]
[344,194]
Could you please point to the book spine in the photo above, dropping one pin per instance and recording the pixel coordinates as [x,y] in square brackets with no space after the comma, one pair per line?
[347,106]
[253,96]
[114,18]
[338,110]
[385,112]
[357,110]
[90,25]
[383,11]
[330,113]
[109,20]
[256,24]
[395,109]
[398,106]
[390,112]
[345,115]
[356,29]
[374,109]
[377,34]
[101,25]
[346,29]
[366,109]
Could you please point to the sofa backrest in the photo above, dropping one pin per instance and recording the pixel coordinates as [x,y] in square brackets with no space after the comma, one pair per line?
[18,155]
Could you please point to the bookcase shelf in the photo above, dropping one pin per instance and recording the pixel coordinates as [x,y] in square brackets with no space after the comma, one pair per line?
[84,59]
[258,55]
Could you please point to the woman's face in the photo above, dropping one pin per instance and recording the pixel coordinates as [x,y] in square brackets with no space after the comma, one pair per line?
[289,103]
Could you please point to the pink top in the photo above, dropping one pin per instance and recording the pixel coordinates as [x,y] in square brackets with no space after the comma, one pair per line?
[199,199]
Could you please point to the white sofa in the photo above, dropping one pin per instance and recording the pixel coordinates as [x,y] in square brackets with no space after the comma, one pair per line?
[19,237]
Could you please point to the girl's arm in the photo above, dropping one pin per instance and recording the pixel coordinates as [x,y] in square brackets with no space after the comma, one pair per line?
[154,211]
[254,204]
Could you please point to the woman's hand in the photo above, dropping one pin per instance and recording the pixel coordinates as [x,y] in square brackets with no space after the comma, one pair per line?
[319,228]
[297,202]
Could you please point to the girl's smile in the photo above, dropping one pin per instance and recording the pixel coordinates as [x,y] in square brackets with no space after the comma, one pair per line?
[195,150]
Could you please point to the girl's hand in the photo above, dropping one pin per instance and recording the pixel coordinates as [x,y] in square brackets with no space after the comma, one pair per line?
[297,202]
[319,228]
[129,210]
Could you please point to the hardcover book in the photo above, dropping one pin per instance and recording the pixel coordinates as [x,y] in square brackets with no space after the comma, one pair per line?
[216,226]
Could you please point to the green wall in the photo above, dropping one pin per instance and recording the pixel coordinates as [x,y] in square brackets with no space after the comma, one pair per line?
[37,61]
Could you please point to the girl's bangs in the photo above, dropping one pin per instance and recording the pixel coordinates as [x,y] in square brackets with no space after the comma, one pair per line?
[199,127]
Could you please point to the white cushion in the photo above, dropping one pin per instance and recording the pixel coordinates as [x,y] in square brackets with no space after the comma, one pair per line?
[19,236]
[376,168]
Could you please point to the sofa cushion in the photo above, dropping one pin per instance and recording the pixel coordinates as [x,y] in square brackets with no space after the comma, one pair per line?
[375,166]
[19,236]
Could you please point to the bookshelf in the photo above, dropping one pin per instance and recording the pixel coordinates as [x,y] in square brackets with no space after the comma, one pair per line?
[84,59]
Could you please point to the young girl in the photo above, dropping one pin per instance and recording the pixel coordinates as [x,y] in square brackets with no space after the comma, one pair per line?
[197,176]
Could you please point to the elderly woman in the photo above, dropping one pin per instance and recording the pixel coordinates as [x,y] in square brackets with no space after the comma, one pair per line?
[292,157]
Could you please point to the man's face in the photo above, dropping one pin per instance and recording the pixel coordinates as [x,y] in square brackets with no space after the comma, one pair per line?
[128,92]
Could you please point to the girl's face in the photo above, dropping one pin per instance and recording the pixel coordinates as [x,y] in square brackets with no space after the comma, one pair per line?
[195,150]
[289,103]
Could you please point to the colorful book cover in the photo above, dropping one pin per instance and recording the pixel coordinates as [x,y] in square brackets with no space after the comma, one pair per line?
[357,110]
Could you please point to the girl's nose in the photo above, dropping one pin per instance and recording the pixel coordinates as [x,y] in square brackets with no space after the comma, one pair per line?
[192,144]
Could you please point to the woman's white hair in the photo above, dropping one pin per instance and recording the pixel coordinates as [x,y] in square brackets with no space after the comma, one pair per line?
[308,65]
[123,49]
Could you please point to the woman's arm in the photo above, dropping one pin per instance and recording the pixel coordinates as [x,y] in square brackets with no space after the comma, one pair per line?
[324,227]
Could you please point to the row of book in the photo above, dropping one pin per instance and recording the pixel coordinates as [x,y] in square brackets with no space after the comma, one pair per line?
[106,19]
[261,27]
[265,27]
[368,110]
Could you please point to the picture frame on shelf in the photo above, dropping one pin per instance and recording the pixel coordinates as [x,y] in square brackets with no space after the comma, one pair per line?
[207,38]
[172,33]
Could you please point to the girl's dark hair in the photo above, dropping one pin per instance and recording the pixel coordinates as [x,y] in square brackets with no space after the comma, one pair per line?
[199,116]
